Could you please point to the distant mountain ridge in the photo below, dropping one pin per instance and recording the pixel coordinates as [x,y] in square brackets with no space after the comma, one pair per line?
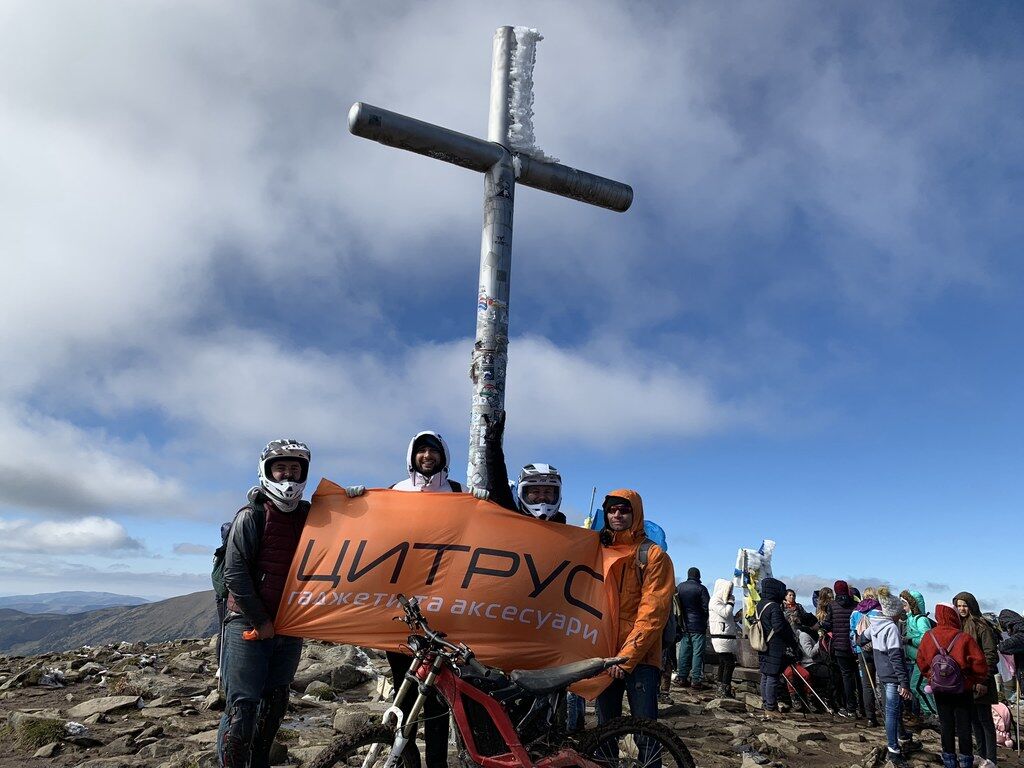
[68,602]
[187,616]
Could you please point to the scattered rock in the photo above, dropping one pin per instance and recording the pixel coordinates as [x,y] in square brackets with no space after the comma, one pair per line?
[213,701]
[105,705]
[340,666]
[800,734]
[48,750]
[319,690]
[778,744]
[855,736]
[186,662]
[28,676]
[125,745]
[729,705]
[35,729]
[347,721]
[204,737]
[740,731]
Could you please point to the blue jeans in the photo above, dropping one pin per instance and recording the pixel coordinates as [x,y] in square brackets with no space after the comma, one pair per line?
[894,730]
[577,711]
[691,656]
[641,689]
[250,671]
[769,690]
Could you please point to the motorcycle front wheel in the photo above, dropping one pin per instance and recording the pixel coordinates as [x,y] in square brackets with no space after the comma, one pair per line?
[351,751]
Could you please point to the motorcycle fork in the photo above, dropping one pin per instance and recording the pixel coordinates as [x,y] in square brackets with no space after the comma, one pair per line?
[406,732]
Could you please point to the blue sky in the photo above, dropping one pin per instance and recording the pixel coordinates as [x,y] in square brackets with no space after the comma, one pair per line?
[808,326]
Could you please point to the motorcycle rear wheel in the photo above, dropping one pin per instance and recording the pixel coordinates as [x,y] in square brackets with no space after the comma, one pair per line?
[633,742]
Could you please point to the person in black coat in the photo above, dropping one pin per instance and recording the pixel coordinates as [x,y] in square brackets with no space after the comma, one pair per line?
[837,621]
[782,644]
[1012,623]
[693,607]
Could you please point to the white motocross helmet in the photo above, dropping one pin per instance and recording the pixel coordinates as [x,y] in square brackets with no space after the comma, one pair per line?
[288,493]
[539,474]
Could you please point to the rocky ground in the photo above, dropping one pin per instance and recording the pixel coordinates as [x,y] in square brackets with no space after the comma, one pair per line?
[157,706]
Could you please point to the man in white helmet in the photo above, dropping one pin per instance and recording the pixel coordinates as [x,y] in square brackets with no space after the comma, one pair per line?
[538,491]
[257,664]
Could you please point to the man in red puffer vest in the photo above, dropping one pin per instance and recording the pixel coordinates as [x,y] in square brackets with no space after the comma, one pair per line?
[257,664]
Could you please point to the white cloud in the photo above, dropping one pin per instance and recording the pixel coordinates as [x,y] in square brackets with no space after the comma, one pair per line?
[54,465]
[25,574]
[192,549]
[143,148]
[360,409]
[90,535]
[356,410]
[175,178]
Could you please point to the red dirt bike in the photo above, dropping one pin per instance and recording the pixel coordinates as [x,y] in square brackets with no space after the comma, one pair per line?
[502,721]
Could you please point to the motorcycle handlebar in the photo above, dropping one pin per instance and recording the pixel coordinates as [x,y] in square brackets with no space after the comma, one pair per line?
[417,620]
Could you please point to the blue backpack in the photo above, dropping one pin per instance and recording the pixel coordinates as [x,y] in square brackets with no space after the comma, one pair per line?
[653,531]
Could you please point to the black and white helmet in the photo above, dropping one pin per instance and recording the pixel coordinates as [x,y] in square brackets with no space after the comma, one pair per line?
[285,494]
[539,474]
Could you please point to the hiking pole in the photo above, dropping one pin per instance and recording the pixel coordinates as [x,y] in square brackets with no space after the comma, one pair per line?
[794,692]
[867,671]
[815,693]
[1017,675]
[590,514]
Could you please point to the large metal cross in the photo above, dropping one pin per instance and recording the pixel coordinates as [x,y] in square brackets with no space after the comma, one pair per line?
[502,167]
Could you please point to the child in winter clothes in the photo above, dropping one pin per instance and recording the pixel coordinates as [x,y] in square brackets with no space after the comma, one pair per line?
[955,709]
[800,674]
[1002,718]
[890,666]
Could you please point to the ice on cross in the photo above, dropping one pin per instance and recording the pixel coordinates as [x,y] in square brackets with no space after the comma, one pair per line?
[508,157]
[520,129]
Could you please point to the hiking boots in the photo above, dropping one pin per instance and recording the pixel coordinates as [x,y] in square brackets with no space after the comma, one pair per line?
[896,759]
[681,682]
[872,722]
[698,686]
[909,745]
[772,714]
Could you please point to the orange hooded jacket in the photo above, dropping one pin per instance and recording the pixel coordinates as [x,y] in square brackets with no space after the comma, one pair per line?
[643,608]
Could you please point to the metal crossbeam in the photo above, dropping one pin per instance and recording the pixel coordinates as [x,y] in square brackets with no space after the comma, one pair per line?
[503,168]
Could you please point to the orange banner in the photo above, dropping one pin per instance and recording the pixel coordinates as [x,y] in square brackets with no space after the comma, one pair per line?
[522,593]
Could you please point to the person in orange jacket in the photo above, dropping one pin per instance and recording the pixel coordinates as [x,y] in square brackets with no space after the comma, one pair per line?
[646,590]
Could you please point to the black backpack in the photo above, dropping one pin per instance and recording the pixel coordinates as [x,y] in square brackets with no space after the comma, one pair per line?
[220,589]
[672,632]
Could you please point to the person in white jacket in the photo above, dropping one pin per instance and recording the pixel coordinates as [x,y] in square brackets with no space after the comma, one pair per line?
[724,633]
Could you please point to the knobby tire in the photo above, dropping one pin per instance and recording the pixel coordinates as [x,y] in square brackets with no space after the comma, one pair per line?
[592,741]
[342,748]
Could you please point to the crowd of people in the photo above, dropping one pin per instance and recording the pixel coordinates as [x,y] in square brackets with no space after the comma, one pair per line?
[876,655]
